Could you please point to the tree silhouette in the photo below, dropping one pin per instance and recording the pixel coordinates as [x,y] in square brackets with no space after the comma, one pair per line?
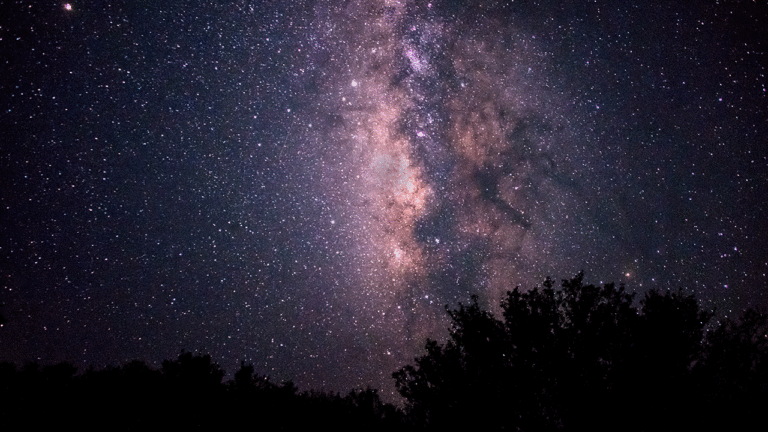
[193,372]
[194,390]
[734,369]
[581,357]
[576,357]
[187,393]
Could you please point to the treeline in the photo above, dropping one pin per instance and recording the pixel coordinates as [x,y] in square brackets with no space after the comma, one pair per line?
[187,393]
[591,358]
[578,357]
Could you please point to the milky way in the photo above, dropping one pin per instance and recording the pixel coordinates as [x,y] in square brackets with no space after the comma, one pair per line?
[454,170]
[306,186]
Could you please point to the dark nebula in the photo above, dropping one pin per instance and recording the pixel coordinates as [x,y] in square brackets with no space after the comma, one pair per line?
[304,185]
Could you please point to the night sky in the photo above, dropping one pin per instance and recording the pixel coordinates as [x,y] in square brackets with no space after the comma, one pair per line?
[304,185]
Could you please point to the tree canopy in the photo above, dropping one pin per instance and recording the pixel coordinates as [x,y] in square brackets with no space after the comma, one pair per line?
[584,356]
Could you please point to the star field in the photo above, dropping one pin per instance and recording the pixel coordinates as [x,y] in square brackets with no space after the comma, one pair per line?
[304,185]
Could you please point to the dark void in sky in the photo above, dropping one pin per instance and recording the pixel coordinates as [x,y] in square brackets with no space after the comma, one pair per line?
[304,185]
